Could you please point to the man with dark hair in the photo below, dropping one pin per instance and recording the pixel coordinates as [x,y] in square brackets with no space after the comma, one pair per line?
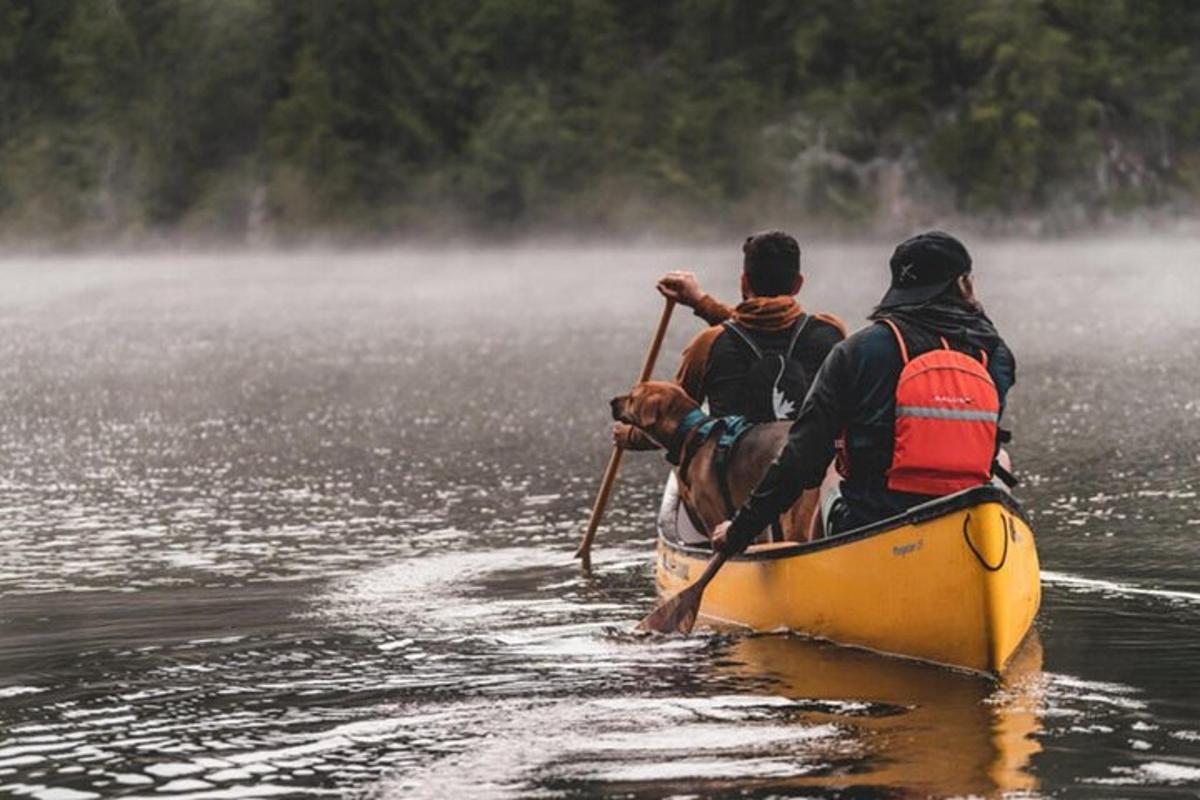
[757,360]
[905,441]
[771,264]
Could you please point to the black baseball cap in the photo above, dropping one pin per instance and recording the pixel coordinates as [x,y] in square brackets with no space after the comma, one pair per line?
[923,267]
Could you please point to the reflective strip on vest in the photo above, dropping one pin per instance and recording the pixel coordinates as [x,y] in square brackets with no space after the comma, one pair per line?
[947,413]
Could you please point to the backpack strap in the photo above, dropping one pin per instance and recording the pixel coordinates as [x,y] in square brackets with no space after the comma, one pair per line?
[899,338]
[800,326]
[982,352]
[732,326]
[983,356]
[1006,477]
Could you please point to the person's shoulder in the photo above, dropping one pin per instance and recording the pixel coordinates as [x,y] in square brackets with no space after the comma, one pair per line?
[697,360]
[1003,350]
[1003,359]
[873,340]
[873,331]
[704,340]
[829,325]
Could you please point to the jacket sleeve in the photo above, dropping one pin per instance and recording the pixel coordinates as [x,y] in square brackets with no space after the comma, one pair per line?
[712,310]
[693,367]
[1003,368]
[802,463]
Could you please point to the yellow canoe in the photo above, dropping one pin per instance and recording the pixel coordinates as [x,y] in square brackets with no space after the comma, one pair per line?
[954,581]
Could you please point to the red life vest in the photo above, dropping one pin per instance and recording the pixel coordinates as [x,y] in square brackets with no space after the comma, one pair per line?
[947,419]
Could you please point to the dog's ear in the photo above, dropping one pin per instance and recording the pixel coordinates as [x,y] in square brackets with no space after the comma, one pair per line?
[676,401]
[649,406]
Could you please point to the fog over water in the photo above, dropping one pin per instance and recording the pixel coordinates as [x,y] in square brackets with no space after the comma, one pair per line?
[302,525]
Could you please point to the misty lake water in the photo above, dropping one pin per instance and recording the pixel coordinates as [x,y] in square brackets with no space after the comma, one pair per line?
[302,525]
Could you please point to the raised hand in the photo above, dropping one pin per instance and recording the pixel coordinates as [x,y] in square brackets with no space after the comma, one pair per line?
[682,287]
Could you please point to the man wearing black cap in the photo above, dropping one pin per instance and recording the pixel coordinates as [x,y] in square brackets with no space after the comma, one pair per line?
[931,304]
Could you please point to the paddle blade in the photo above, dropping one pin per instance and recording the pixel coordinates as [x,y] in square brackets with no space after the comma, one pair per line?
[676,614]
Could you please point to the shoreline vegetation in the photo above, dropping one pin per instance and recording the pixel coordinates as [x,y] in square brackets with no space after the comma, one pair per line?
[1099,244]
[264,123]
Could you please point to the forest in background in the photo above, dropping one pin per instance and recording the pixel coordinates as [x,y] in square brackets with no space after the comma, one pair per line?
[280,120]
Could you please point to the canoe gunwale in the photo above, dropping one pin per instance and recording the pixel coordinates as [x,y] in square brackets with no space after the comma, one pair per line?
[916,515]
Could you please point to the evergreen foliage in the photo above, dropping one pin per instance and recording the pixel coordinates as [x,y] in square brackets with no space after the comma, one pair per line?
[375,117]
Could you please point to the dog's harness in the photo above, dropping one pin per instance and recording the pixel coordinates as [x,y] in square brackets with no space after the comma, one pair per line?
[695,429]
[683,446]
[728,431]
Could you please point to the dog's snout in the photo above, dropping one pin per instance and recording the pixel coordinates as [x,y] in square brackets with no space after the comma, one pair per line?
[617,404]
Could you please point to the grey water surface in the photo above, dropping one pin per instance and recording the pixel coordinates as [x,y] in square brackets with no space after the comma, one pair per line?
[302,525]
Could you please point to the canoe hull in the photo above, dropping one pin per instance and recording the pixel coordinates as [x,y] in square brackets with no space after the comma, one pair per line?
[956,582]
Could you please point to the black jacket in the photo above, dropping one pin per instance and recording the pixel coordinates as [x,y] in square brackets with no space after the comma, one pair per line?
[715,363]
[855,392]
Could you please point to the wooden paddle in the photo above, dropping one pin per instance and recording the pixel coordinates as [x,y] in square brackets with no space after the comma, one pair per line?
[584,552]
[677,614]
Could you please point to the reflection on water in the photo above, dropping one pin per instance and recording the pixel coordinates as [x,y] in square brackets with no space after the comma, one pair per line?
[302,526]
[923,729]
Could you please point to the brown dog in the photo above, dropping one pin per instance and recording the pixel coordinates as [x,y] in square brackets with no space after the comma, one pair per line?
[659,408]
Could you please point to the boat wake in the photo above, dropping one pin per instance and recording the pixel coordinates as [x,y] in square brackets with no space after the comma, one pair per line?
[1077,583]
[621,742]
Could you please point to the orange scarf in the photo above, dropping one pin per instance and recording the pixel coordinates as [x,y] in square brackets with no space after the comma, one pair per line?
[768,314]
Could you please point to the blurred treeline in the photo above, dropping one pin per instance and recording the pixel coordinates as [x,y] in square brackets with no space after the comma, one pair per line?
[281,118]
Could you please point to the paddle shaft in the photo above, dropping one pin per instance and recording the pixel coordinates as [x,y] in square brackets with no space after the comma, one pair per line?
[678,613]
[714,564]
[584,552]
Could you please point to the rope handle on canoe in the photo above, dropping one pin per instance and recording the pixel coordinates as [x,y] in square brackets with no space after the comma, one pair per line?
[979,556]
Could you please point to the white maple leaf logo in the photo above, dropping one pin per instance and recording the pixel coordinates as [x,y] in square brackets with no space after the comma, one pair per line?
[783,406]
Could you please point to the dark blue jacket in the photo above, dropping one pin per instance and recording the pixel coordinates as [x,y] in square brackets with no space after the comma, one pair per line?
[855,392]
